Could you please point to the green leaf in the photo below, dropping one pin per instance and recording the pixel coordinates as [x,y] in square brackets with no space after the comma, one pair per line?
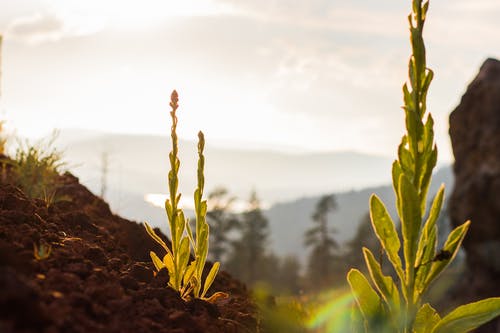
[406,160]
[451,246]
[425,180]
[396,172]
[366,298]
[425,263]
[410,219]
[210,278]
[425,242]
[425,319]
[386,233]
[468,317]
[168,262]
[183,257]
[189,274]
[156,261]
[155,237]
[384,284]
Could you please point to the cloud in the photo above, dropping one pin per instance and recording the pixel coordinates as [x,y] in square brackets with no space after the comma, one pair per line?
[36,28]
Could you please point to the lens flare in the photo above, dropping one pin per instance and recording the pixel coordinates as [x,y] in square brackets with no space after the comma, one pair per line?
[333,312]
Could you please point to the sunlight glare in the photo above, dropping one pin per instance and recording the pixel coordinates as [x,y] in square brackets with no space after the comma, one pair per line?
[333,314]
[98,14]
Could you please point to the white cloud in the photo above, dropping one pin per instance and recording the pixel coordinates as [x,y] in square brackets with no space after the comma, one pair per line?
[37,28]
[58,19]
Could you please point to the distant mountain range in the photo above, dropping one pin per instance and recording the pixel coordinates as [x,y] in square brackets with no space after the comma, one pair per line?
[289,220]
[288,184]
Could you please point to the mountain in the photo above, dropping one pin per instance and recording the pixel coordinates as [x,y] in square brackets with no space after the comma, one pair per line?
[138,165]
[289,220]
[289,184]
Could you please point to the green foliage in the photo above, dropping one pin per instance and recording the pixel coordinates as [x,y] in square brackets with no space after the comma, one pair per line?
[185,276]
[398,304]
[36,170]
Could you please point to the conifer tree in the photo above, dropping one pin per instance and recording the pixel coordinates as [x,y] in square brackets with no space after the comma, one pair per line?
[323,244]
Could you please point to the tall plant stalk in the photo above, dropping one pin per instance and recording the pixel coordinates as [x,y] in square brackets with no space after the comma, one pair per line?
[396,306]
[185,276]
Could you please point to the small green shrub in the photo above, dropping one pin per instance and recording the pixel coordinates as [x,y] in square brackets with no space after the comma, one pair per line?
[3,137]
[184,276]
[36,169]
[397,307]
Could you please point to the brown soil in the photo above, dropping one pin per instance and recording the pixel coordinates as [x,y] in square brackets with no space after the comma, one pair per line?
[99,277]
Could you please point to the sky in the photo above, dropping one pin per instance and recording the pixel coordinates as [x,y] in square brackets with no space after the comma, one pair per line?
[316,75]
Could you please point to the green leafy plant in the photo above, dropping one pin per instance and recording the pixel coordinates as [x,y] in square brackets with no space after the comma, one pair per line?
[396,306]
[36,169]
[184,276]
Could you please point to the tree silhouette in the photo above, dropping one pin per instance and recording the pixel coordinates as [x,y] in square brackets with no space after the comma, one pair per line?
[364,237]
[249,252]
[221,220]
[319,237]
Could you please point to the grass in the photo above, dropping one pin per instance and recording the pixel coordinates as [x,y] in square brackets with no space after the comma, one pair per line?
[36,170]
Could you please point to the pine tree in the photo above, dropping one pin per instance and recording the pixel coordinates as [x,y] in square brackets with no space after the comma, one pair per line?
[249,251]
[320,239]
[221,220]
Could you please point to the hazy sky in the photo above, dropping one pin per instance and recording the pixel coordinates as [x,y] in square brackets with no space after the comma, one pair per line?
[315,74]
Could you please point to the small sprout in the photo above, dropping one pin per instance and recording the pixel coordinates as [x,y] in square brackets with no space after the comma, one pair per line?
[42,251]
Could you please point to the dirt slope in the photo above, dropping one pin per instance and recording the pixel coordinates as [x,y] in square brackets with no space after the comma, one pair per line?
[98,277]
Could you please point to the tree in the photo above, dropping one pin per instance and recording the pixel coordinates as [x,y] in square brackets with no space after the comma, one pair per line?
[319,237]
[288,277]
[249,251]
[221,220]
[364,237]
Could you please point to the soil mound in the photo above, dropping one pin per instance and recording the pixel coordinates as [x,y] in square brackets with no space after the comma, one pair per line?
[98,276]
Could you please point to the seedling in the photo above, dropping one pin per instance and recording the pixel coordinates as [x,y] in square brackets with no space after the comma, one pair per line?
[184,276]
[396,306]
[42,251]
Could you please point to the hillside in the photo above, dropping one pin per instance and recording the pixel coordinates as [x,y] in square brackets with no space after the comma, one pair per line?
[97,276]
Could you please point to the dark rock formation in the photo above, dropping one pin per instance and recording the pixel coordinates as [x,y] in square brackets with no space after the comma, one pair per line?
[475,136]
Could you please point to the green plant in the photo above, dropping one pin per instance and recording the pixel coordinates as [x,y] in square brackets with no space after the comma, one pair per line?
[3,138]
[36,169]
[42,251]
[184,276]
[391,307]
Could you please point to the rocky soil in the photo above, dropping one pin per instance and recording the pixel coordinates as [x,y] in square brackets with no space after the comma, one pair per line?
[98,277]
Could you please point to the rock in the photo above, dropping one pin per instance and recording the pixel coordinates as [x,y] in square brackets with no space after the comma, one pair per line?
[475,137]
